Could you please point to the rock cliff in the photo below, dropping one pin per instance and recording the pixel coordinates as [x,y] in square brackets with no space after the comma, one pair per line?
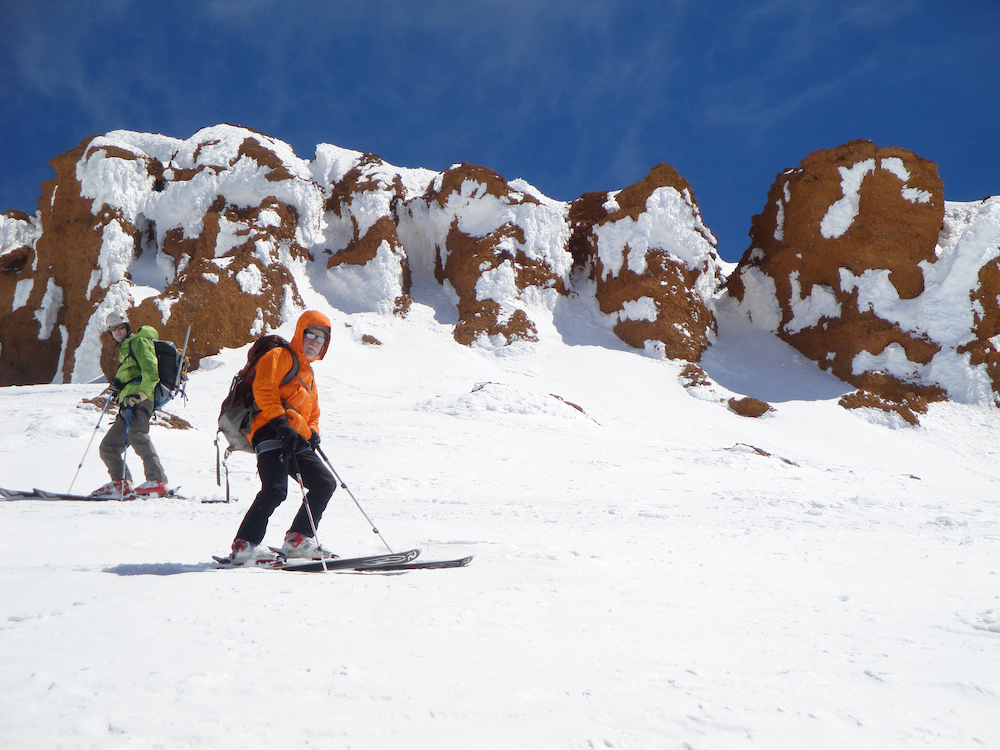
[231,233]
[858,262]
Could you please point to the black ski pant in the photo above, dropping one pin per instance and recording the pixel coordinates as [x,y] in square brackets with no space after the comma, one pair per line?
[275,467]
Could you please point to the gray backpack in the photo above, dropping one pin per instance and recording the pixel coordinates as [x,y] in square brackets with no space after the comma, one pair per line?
[239,408]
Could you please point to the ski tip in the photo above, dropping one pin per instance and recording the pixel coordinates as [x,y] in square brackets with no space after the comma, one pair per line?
[424,565]
[40,494]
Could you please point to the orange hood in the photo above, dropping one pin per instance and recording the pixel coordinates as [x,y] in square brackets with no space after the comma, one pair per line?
[306,319]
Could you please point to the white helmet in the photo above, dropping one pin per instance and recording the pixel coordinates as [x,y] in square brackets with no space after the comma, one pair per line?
[116,319]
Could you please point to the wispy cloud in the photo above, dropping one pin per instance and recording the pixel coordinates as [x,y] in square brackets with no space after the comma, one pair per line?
[576,93]
[771,60]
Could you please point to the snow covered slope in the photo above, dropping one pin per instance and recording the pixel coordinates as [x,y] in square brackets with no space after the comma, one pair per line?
[651,570]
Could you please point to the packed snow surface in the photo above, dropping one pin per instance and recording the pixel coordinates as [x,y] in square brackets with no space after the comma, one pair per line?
[651,570]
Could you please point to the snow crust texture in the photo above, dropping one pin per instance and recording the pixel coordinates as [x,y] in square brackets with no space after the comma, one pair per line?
[859,263]
[231,233]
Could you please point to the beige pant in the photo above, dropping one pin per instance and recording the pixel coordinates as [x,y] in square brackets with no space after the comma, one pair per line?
[114,443]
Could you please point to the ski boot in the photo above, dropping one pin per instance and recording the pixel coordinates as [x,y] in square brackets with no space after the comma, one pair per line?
[247,553]
[119,489]
[300,546]
[148,489]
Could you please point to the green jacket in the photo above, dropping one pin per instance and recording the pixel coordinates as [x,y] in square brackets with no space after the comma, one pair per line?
[139,372]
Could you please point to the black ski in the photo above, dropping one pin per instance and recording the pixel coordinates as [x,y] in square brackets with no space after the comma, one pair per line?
[279,553]
[338,563]
[422,565]
[460,562]
[43,495]
[37,494]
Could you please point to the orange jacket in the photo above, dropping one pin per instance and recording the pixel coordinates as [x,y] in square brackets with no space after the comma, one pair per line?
[300,396]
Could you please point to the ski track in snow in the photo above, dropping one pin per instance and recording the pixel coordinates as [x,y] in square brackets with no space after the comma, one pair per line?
[644,577]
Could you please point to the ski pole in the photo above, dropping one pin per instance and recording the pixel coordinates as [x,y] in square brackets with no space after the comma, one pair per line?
[219,464]
[128,418]
[180,370]
[309,513]
[341,482]
[90,442]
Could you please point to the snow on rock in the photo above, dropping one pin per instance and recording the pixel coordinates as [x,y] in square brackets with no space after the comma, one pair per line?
[652,261]
[135,222]
[40,337]
[367,267]
[501,250]
[18,235]
[860,264]
[230,232]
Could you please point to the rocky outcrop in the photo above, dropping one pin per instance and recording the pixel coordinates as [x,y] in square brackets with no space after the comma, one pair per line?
[652,261]
[25,357]
[856,259]
[118,233]
[749,407]
[230,233]
[857,262]
[373,269]
[500,249]
[54,278]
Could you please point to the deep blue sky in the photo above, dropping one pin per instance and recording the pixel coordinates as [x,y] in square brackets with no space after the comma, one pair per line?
[571,96]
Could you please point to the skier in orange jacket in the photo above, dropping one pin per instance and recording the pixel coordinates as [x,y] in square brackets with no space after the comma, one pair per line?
[285,435]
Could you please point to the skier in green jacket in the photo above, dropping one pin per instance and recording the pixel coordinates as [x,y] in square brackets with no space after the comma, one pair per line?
[133,387]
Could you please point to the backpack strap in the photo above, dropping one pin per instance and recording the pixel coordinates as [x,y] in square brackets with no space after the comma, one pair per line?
[132,355]
[294,372]
[138,378]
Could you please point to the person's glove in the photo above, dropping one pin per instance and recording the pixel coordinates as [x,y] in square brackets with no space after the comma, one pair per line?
[136,398]
[314,440]
[115,386]
[284,434]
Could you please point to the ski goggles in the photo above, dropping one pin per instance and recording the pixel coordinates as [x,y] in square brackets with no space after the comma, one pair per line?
[316,334]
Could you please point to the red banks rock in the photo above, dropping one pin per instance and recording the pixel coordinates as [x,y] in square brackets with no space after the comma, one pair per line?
[858,263]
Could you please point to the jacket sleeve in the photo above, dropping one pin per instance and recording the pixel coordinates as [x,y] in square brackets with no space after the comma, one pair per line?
[271,368]
[145,355]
